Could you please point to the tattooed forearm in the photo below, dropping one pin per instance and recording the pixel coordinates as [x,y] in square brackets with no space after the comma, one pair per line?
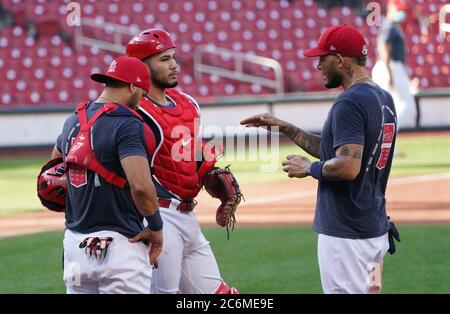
[292,132]
[310,143]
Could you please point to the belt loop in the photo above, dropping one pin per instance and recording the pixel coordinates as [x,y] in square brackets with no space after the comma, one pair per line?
[174,203]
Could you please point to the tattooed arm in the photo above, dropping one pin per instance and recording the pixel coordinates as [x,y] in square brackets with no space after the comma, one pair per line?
[310,143]
[346,165]
[307,141]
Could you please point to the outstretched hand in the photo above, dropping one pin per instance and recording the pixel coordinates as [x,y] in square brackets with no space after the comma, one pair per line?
[296,166]
[155,238]
[265,120]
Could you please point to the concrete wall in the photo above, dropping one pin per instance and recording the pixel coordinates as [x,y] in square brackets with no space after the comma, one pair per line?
[30,129]
[434,112]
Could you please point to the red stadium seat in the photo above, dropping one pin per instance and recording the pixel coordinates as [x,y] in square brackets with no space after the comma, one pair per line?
[277,29]
[29,97]
[6,99]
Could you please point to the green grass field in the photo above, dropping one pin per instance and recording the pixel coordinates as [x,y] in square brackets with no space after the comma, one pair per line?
[421,155]
[18,185]
[256,260]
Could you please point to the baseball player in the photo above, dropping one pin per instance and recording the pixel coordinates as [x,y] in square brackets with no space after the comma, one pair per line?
[389,71]
[109,188]
[187,263]
[355,150]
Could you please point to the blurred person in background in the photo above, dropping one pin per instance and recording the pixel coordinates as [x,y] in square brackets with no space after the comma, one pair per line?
[389,71]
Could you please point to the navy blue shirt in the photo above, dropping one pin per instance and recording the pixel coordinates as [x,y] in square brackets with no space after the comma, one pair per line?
[364,114]
[97,205]
[391,34]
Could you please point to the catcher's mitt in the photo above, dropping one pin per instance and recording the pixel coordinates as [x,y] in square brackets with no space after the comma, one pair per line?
[221,184]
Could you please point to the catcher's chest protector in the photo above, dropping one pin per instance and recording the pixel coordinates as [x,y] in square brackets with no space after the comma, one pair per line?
[81,156]
[173,163]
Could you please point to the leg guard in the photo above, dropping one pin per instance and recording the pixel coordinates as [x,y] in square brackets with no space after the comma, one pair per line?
[225,289]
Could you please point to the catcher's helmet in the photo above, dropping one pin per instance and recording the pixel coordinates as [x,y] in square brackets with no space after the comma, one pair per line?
[52,185]
[149,43]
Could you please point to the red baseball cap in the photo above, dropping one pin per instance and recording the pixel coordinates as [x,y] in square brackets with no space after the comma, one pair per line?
[128,70]
[342,39]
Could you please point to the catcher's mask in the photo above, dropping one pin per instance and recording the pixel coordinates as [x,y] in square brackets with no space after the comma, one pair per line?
[52,185]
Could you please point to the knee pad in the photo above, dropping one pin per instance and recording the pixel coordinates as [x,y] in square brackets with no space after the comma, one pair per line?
[224,288]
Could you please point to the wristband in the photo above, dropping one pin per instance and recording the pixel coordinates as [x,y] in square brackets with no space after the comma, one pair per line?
[316,170]
[154,221]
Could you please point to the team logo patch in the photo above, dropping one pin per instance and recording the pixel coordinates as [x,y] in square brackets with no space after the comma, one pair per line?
[112,67]
[365,50]
[386,145]
[77,175]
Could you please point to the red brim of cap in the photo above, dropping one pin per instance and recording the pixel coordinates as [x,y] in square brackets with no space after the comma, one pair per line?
[105,78]
[315,52]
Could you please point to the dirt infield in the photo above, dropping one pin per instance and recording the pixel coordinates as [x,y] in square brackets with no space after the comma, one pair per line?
[417,199]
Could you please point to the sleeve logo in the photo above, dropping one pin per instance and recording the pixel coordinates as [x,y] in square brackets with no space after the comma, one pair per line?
[386,145]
